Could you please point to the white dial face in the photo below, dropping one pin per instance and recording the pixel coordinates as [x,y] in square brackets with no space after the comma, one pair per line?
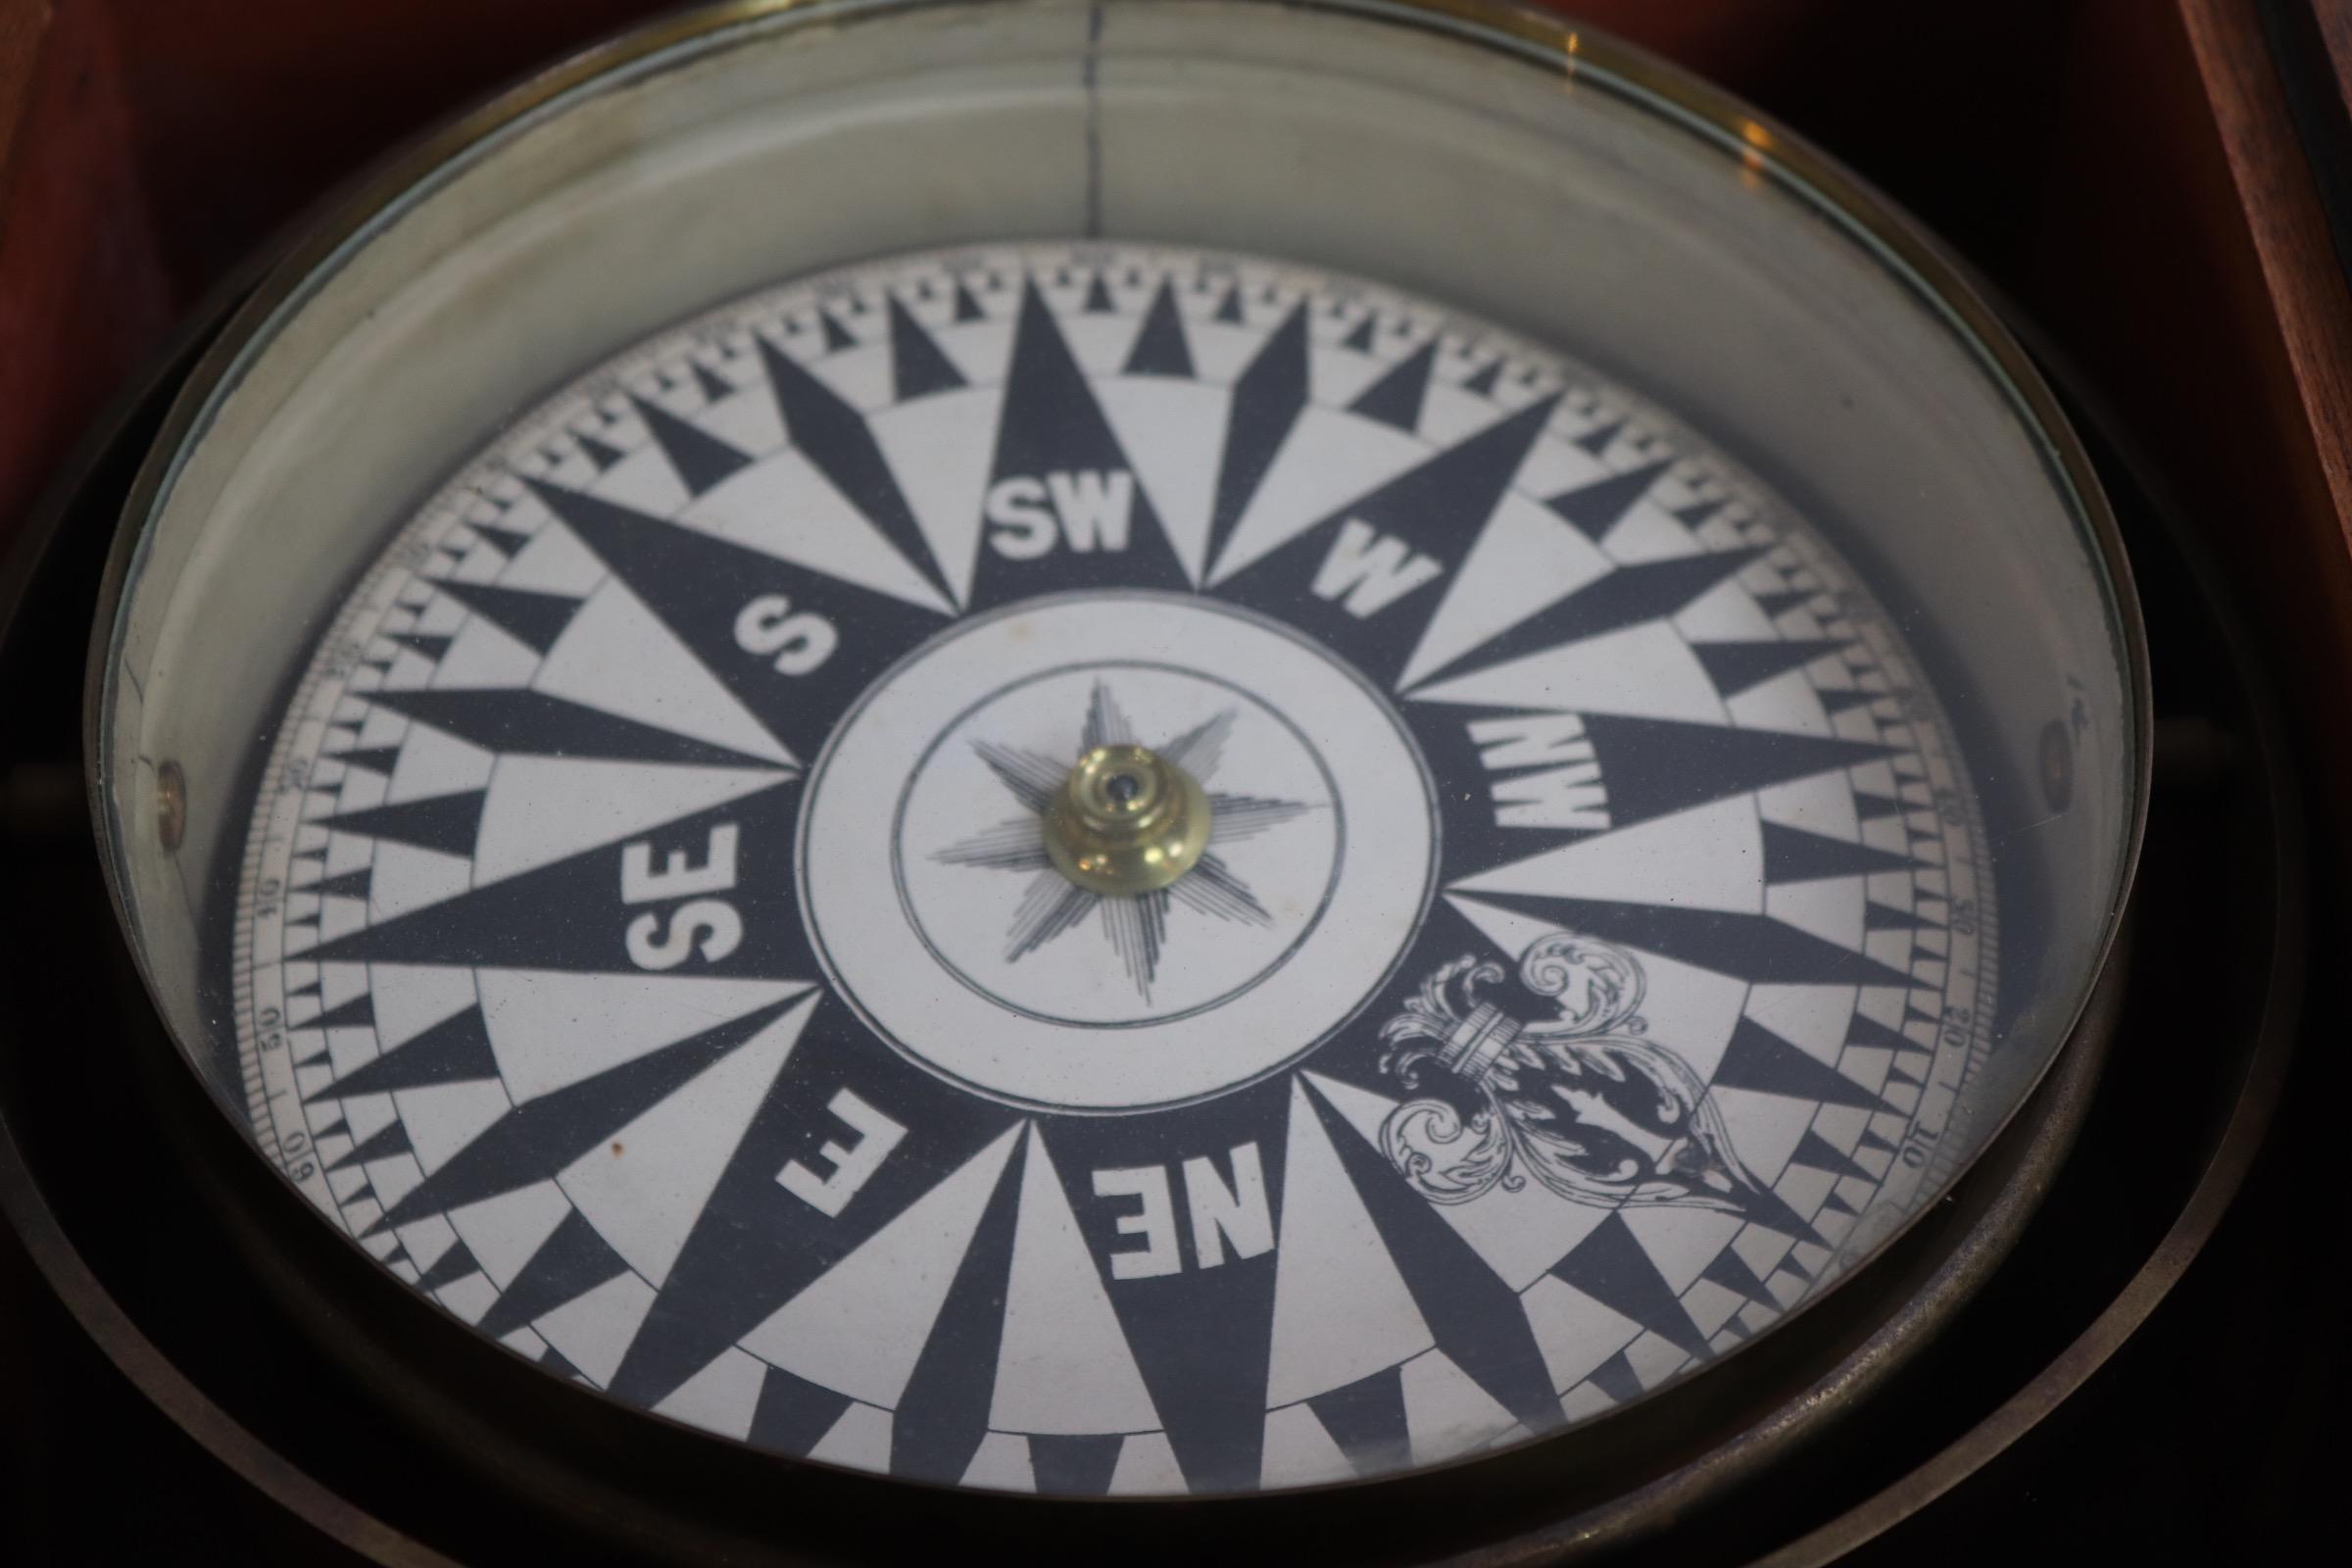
[648,944]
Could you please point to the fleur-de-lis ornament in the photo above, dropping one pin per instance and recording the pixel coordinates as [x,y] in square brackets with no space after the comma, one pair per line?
[1583,1100]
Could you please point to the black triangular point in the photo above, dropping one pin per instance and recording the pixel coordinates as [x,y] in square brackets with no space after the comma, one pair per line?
[1360,339]
[1656,767]
[700,460]
[1865,1031]
[1793,854]
[1749,947]
[1051,418]
[943,1416]
[1052,423]
[1267,399]
[358,1012]
[389,1140]
[1396,399]
[455,1261]
[1207,1387]
[377,759]
[1097,297]
[533,618]
[835,437]
[1437,506]
[918,366]
[347,885]
[519,719]
[1760,1060]
[967,309]
[1228,308]
[792,1414]
[598,452]
[1475,1318]
[561,1365]
[448,824]
[1775,606]
[1160,348]
[1736,666]
[431,648]
[1597,507]
[1730,1271]
[455,1049]
[1600,438]
[1366,1418]
[715,387]
[1612,1267]
[504,921]
[572,1261]
[1819,1154]
[1627,597]
[696,583]
[1074,1466]
[837,336]
[510,541]
[543,1135]
[1617,1378]
[1481,382]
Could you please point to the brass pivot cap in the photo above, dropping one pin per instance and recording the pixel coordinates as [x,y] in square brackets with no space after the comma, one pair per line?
[1126,820]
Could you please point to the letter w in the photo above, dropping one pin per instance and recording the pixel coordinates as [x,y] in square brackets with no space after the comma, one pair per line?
[1373,569]
[1095,508]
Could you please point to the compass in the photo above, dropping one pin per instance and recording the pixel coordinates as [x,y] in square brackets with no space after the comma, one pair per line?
[1128,750]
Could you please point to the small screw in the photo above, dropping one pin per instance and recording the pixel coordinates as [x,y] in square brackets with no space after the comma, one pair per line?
[171,805]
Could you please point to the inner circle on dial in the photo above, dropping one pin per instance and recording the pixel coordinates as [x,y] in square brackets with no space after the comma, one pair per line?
[976,956]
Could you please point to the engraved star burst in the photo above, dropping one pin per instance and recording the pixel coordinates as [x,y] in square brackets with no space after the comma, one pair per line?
[1136,925]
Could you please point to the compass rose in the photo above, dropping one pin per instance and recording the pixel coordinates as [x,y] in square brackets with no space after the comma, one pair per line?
[671,954]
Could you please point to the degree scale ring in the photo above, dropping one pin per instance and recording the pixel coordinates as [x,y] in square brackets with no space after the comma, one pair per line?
[561,755]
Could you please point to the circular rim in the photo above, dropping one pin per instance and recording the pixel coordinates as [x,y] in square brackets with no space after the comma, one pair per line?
[1566,49]
[91,1303]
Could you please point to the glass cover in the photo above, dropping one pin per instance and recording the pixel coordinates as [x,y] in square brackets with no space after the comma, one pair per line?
[1138,861]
